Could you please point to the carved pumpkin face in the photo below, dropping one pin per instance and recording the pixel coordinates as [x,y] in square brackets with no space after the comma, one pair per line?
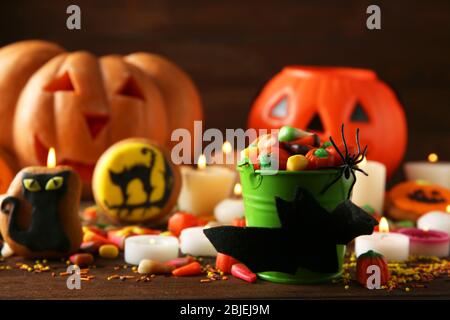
[80,104]
[321,99]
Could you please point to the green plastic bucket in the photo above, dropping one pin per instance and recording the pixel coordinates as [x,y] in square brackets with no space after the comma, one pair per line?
[259,192]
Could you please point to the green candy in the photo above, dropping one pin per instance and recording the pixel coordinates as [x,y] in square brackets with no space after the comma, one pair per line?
[264,160]
[367,208]
[326,144]
[321,153]
[287,133]
[405,224]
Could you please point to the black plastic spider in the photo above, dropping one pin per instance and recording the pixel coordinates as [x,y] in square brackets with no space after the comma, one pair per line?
[350,162]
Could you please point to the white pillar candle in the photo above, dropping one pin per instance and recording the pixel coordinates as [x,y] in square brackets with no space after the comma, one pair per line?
[229,209]
[393,246]
[194,242]
[158,248]
[203,188]
[369,190]
[435,220]
[431,170]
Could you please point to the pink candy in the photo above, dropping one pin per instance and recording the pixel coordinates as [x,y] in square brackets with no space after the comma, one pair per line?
[240,271]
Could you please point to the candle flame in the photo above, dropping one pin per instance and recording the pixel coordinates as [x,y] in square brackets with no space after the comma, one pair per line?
[201,163]
[384,225]
[51,158]
[433,157]
[447,208]
[237,189]
[425,229]
[226,147]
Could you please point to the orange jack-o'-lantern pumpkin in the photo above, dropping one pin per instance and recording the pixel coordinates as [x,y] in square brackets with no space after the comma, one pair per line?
[321,99]
[80,104]
[7,171]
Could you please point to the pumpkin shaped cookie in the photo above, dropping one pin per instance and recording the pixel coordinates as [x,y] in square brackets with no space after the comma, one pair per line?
[409,200]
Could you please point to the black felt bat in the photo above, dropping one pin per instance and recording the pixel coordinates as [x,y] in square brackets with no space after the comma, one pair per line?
[307,238]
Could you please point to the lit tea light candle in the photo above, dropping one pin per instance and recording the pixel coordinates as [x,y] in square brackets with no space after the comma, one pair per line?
[435,220]
[194,242]
[427,242]
[229,209]
[393,246]
[204,187]
[153,247]
[432,170]
[370,190]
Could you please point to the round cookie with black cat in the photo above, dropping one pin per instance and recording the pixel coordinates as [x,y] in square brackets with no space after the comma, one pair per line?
[135,182]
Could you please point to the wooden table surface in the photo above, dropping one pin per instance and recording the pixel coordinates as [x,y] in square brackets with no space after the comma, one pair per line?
[20,284]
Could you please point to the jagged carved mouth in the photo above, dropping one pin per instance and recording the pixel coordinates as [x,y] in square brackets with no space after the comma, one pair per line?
[85,170]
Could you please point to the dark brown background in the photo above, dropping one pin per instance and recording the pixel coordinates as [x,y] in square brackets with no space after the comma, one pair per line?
[231,48]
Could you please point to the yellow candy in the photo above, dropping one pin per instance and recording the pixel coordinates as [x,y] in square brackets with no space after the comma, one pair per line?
[247,152]
[296,163]
[108,251]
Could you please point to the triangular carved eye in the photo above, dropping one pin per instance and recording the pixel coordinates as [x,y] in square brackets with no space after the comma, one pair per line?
[315,124]
[359,114]
[280,109]
[131,89]
[62,83]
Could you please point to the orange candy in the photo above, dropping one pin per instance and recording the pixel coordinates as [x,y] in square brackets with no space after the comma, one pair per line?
[180,221]
[192,269]
[224,263]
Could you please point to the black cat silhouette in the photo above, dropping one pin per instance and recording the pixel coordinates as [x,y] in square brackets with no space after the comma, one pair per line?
[138,171]
[142,172]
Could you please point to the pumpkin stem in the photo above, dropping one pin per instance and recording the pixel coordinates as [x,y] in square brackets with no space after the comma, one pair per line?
[370,254]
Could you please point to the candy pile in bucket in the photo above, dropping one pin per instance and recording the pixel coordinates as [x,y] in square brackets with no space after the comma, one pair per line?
[293,150]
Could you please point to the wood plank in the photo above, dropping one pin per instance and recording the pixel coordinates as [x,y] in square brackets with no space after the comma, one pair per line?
[44,286]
